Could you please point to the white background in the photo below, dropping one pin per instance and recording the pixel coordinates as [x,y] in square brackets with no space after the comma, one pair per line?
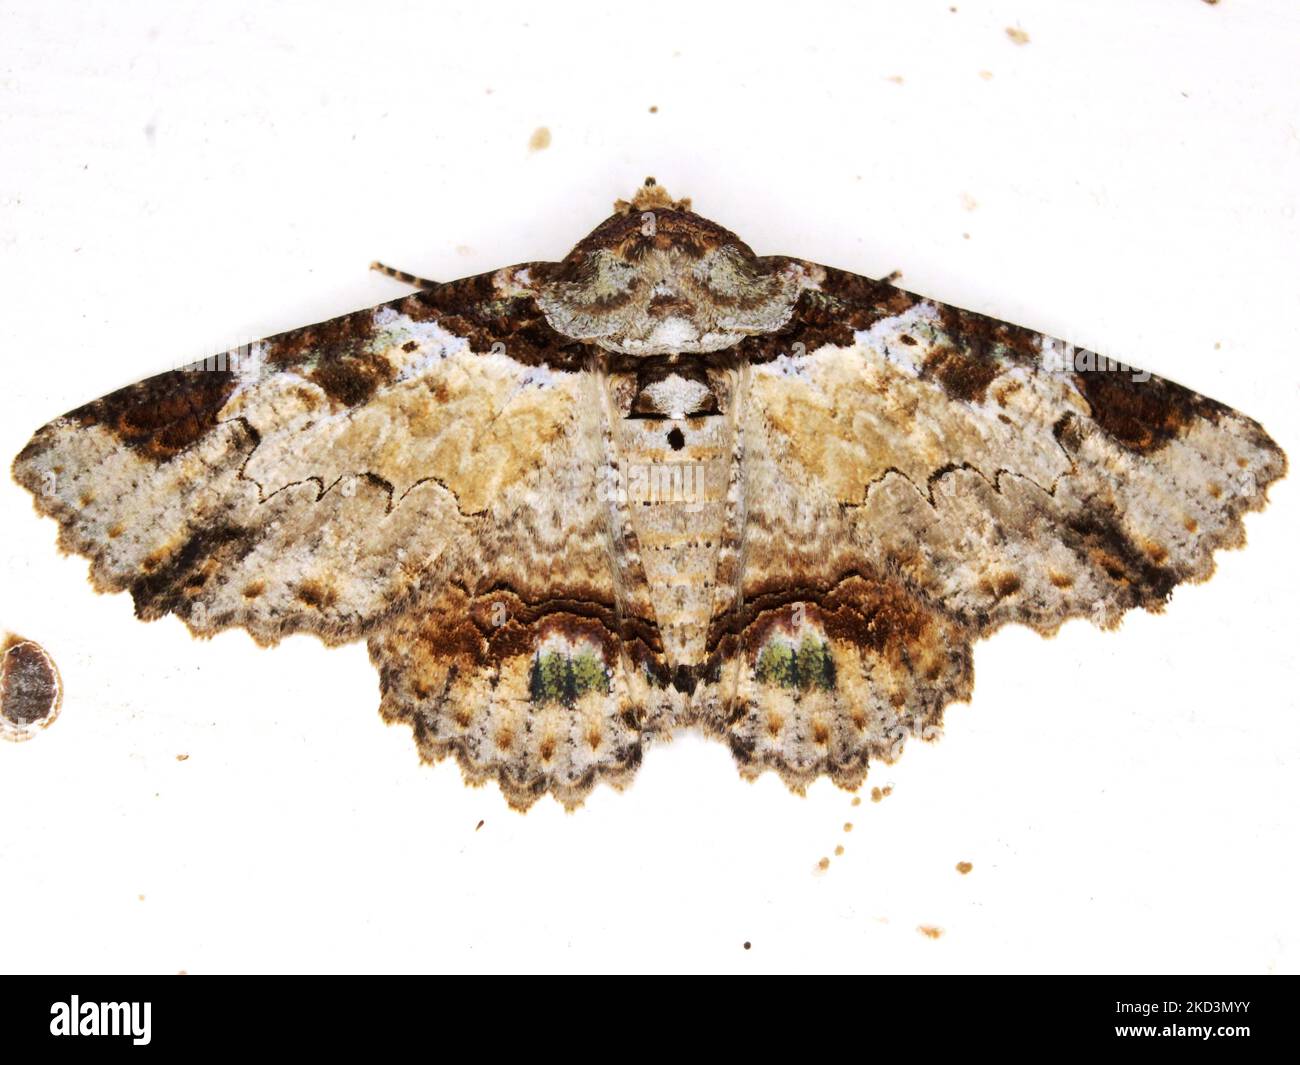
[180,177]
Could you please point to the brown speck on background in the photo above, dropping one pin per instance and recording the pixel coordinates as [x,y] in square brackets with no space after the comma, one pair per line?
[848,826]
[877,794]
[654,110]
[857,801]
[182,758]
[31,690]
[933,931]
[747,944]
[887,790]
[839,850]
[478,826]
[964,867]
[1018,35]
[824,864]
[540,140]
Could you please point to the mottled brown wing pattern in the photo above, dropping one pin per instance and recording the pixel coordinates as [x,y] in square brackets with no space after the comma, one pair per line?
[391,474]
[920,475]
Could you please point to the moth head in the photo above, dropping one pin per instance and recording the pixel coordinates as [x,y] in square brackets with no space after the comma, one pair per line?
[657,279]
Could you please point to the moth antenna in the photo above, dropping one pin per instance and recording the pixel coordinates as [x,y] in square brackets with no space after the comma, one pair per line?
[403,276]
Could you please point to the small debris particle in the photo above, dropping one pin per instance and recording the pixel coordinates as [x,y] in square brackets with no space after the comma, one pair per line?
[839,850]
[848,826]
[478,826]
[824,864]
[748,944]
[31,691]
[964,867]
[540,140]
[930,930]
[887,790]
[877,794]
[182,758]
[857,801]
[1018,35]
[654,110]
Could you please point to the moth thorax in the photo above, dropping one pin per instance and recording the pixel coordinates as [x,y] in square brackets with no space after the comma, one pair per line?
[673,393]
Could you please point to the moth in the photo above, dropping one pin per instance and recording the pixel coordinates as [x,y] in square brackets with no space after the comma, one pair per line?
[662,483]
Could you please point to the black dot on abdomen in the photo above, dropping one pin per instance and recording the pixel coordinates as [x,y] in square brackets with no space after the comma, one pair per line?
[676,440]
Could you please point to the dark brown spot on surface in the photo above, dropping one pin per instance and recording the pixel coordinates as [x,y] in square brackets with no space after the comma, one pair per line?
[353,381]
[161,416]
[1142,416]
[962,376]
[316,594]
[1099,538]
[1000,585]
[964,867]
[824,864]
[747,944]
[253,590]
[478,826]
[30,689]
[171,573]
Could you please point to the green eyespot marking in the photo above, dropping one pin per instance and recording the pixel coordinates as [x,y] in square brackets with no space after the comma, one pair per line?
[804,668]
[562,678]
